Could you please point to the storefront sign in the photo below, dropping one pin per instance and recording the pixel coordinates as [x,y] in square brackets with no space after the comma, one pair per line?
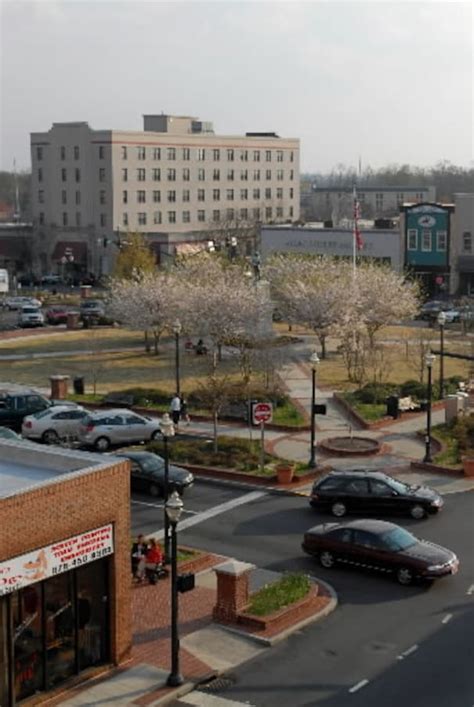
[54,559]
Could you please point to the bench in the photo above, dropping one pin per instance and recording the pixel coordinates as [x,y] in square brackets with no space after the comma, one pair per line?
[407,404]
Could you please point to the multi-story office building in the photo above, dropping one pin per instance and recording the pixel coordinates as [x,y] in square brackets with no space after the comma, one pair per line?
[171,182]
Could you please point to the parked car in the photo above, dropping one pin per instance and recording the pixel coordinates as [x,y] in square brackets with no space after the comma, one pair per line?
[56,315]
[148,473]
[116,426]
[361,491]
[16,402]
[54,423]
[51,280]
[30,316]
[381,546]
[16,303]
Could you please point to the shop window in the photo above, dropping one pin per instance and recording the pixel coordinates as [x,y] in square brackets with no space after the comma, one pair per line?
[59,629]
[441,240]
[412,239]
[92,612]
[28,644]
[426,240]
[467,242]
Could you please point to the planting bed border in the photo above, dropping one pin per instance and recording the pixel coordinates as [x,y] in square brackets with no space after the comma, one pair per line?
[326,445]
[242,476]
[263,623]
[384,421]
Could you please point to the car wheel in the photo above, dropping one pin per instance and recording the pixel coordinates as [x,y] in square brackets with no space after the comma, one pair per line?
[154,490]
[404,576]
[102,444]
[155,435]
[417,512]
[50,437]
[338,509]
[327,559]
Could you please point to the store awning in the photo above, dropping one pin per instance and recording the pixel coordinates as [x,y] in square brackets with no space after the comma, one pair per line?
[76,249]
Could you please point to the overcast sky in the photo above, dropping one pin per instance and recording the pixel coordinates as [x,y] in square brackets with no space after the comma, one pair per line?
[389,81]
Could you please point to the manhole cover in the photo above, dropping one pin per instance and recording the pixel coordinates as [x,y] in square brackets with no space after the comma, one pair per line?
[218,684]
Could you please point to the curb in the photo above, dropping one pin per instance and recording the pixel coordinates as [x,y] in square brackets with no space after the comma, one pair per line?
[246,486]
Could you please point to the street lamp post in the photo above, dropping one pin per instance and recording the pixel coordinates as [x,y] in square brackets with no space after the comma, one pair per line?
[313,362]
[441,323]
[167,430]
[429,360]
[174,508]
[177,331]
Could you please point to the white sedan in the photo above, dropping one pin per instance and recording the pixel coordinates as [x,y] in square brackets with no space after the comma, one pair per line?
[54,423]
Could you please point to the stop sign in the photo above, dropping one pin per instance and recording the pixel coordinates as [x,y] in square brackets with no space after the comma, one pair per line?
[262,412]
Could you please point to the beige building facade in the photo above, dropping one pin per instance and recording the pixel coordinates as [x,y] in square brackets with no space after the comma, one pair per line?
[173,182]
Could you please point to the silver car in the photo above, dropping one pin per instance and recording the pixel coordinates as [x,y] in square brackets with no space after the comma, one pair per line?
[117,426]
[15,303]
[30,316]
[56,423]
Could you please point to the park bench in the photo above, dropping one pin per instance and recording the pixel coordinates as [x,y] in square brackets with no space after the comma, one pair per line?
[407,404]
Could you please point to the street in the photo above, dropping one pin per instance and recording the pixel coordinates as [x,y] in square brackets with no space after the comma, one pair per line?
[384,644]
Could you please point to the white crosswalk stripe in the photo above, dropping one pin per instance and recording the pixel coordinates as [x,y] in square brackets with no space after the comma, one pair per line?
[203,699]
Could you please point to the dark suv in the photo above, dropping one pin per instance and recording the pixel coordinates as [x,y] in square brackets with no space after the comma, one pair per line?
[15,404]
[361,491]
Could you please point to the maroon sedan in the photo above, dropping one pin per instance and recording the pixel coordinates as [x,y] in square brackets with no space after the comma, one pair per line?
[56,315]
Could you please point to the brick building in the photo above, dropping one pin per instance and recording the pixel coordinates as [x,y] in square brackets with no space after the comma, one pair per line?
[64,568]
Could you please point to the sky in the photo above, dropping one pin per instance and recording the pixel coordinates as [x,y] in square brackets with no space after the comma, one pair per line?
[389,82]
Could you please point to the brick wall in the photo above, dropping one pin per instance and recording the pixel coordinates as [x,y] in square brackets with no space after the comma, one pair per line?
[71,506]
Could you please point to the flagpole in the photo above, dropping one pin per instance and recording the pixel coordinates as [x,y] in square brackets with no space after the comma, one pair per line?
[354,228]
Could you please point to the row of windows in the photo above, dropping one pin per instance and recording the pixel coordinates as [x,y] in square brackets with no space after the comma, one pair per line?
[227,194]
[216,215]
[426,240]
[171,174]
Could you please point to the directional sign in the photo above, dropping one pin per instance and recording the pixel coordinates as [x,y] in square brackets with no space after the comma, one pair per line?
[262,412]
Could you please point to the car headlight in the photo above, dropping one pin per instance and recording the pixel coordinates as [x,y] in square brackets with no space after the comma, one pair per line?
[435,568]
[437,502]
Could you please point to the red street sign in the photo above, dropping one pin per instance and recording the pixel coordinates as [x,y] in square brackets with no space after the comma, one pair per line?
[262,412]
[439,280]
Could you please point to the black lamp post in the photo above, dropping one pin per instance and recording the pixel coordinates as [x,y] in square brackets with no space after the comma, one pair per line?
[177,332]
[441,323]
[167,430]
[429,360]
[174,508]
[313,362]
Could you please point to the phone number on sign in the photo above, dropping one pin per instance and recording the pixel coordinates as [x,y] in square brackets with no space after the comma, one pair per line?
[82,560]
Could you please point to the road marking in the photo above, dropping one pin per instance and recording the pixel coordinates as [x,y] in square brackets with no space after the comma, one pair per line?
[470,590]
[201,699]
[160,505]
[359,686]
[408,652]
[447,618]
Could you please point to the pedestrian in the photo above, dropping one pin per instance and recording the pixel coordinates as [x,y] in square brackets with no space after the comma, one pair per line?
[139,550]
[175,408]
[184,411]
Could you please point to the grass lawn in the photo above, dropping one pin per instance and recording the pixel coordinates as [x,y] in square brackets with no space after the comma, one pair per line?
[288,590]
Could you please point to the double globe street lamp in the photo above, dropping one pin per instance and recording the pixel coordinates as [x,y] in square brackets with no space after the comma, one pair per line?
[167,431]
[173,511]
[313,362]
[429,360]
[441,324]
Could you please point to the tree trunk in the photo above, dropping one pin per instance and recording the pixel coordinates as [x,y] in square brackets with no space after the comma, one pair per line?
[219,352]
[147,342]
[155,342]
[322,340]
[214,422]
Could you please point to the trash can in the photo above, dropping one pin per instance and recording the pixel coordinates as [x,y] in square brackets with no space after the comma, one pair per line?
[392,406]
[78,385]
[72,321]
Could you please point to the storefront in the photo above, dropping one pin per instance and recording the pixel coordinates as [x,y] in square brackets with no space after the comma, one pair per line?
[64,599]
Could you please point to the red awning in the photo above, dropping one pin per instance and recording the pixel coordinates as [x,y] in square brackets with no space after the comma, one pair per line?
[76,249]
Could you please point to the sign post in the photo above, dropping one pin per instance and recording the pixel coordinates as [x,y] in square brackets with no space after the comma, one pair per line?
[262,413]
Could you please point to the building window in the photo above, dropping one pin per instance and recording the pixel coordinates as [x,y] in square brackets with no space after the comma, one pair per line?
[201,154]
[171,216]
[141,174]
[157,154]
[268,174]
[244,194]
[125,197]
[186,174]
[186,195]
[102,174]
[379,201]
[78,218]
[216,194]
[103,220]
[467,242]
[244,155]
[157,217]
[39,153]
[77,174]
[102,197]
[291,192]
[201,215]
[244,214]
[186,154]
[141,152]
[268,212]
[256,193]
[124,152]
[268,155]
[216,215]
[230,195]
[216,175]
[201,175]
[63,152]
[101,152]
[186,216]
[201,195]
[279,154]
[279,193]
[216,155]
[41,218]
[41,196]
[65,219]
[78,198]
[279,211]
[124,174]
[171,154]
[256,155]
[292,156]
[426,240]
[230,175]
[412,239]
[290,212]
[256,213]
[172,196]
[230,214]
[279,175]
[419,196]
[63,174]
[244,175]
[230,155]
[441,240]
[63,197]
[156,196]
[141,196]
[292,175]
[40,175]
[256,175]
[125,218]
[171,175]
[268,193]
[142,218]
[156,174]
[76,152]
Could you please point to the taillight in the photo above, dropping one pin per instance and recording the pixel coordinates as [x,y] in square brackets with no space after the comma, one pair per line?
[28,425]
[89,427]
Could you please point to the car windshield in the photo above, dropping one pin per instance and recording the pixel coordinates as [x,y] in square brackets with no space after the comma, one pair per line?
[398,539]
[398,486]
[151,463]
[30,310]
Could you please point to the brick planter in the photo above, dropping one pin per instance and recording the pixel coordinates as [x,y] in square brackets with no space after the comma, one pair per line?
[217,472]
[272,621]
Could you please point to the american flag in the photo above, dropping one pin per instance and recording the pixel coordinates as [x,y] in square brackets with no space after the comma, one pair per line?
[356,231]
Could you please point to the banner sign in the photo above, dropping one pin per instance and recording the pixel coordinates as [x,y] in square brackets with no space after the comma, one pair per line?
[55,559]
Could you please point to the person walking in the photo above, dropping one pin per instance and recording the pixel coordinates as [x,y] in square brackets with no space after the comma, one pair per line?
[175,408]
[184,411]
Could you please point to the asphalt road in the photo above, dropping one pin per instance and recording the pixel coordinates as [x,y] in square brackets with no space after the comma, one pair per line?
[385,644]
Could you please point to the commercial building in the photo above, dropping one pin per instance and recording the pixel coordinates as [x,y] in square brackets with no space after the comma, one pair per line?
[463,244]
[64,568]
[172,182]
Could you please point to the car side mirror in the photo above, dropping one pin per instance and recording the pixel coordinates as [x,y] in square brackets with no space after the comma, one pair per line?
[394,493]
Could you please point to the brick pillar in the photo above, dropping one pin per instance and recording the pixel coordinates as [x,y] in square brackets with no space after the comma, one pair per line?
[85,291]
[232,589]
[59,387]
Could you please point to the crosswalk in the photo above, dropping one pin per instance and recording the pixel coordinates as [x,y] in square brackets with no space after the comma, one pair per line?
[203,699]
